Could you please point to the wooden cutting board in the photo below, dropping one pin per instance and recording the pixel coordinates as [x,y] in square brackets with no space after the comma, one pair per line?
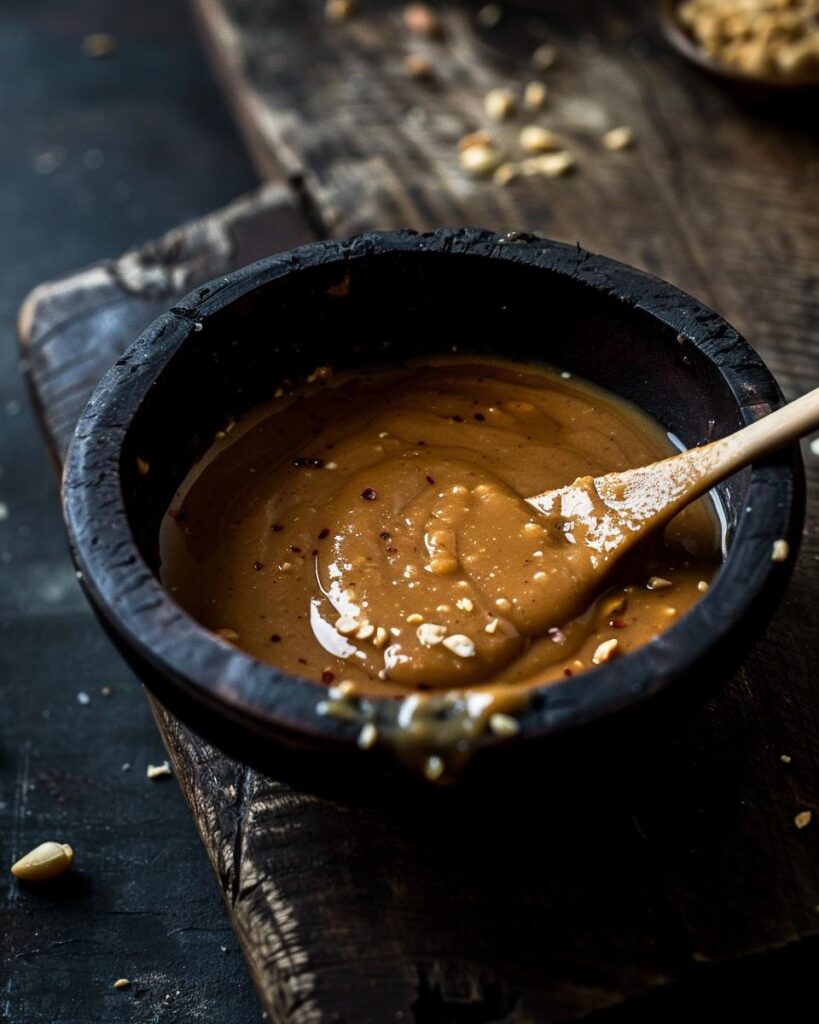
[574,893]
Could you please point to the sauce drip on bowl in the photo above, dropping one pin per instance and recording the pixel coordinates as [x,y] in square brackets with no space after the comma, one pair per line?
[373,529]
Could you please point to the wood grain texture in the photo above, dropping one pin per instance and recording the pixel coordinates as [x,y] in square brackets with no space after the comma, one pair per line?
[719,195]
[621,881]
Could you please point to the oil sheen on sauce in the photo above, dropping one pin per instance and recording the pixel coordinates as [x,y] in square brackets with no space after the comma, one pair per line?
[370,532]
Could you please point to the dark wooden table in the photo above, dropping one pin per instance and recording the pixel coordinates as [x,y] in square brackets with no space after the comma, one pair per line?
[676,872]
[95,156]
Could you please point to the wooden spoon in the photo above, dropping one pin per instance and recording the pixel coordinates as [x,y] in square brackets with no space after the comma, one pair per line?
[603,517]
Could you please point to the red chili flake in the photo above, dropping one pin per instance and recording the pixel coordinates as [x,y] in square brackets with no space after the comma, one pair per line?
[295,550]
[275,638]
[423,687]
[479,416]
[567,672]
[327,677]
[258,566]
[368,494]
[177,514]
[618,623]
[458,419]
[302,661]
[391,550]
[384,535]
[421,442]
[430,480]
[324,533]
[277,527]
[314,552]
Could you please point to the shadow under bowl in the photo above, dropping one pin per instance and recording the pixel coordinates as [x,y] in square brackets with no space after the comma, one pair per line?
[227,347]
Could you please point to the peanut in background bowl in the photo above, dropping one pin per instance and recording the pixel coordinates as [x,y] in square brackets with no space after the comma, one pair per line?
[768,84]
[378,299]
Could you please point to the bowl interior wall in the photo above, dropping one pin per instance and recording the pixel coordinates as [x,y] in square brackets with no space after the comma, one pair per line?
[401,306]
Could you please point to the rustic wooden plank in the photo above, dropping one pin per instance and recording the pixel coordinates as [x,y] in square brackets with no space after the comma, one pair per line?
[365,881]
[421,906]
[719,196]
[73,329]
[355,913]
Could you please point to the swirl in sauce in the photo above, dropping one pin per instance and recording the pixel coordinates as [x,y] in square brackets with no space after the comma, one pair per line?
[372,529]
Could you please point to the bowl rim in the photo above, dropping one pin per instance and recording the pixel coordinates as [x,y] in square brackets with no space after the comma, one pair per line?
[197,666]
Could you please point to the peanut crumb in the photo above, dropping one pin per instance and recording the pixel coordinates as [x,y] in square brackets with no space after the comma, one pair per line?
[489,16]
[506,173]
[702,586]
[803,819]
[479,138]
[430,634]
[422,20]
[548,165]
[99,44]
[503,725]
[544,57]
[45,862]
[491,626]
[535,139]
[320,374]
[368,736]
[158,771]
[479,160]
[122,983]
[460,645]
[347,625]
[499,104]
[338,10]
[434,768]
[780,551]
[605,651]
[785,758]
[534,96]
[414,619]
[418,67]
[618,138]
[465,604]
[658,583]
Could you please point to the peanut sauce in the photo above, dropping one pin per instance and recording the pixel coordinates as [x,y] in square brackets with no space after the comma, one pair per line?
[371,530]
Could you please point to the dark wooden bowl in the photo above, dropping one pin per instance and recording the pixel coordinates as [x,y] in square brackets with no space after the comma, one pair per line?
[228,345]
[768,85]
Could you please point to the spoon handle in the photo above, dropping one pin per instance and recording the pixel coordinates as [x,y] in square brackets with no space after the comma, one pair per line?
[759,438]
